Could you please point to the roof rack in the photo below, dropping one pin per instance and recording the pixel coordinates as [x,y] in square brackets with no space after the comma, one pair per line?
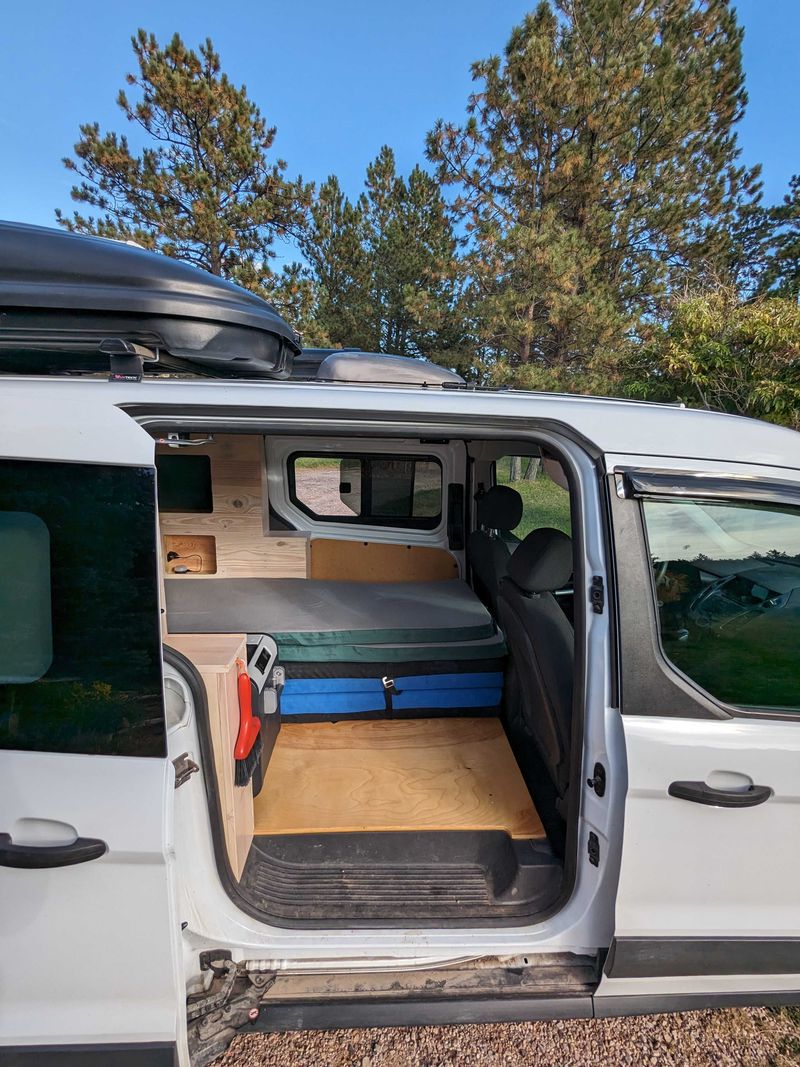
[352,366]
[72,304]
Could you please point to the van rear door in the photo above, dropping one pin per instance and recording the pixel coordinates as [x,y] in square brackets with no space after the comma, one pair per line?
[88,929]
[707,910]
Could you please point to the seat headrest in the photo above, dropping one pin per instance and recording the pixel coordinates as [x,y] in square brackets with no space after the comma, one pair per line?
[542,563]
[500,508]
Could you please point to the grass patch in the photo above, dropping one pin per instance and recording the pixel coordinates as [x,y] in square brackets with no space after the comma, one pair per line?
[317,463]
[544,502]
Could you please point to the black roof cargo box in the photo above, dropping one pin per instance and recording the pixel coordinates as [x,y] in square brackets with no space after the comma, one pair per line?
[62,295]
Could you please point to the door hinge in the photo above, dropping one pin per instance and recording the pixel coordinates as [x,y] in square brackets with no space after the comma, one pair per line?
[598,780]
[185,767]
[594,849]
[597,594]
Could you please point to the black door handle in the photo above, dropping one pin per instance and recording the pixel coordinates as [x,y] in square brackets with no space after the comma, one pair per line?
[700,793]
[36,857]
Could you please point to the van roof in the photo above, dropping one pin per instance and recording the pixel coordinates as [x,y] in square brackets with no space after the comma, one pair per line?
[611,426]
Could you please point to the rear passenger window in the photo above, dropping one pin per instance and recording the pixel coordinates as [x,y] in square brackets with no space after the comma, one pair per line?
[377,490]
[80,638]
[545,503]
[727,583]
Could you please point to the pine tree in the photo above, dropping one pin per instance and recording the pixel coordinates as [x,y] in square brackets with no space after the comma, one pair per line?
[782,275]
[383,266]
[203,188]
[598,167]
[333,247]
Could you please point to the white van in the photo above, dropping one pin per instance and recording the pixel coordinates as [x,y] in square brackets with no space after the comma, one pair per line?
[335,693]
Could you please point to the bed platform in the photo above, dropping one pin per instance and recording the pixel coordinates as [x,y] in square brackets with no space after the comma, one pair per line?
[358,649]
[416,774]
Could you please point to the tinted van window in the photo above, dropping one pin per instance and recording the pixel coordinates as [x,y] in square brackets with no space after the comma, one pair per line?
[378,490]
[727,582]
[80,651]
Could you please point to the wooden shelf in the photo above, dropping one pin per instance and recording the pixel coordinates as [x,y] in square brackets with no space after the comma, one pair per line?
[382,775]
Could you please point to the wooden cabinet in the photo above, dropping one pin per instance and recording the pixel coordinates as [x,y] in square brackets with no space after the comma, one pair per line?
[214,656]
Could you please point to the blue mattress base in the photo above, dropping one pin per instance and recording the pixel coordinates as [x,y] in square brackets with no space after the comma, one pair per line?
[415,693]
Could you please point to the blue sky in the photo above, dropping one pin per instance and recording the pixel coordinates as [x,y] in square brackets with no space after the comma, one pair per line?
[338,80]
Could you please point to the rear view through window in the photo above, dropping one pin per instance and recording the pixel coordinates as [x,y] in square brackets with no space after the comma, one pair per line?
[378,490]
[727,582]
[544,503]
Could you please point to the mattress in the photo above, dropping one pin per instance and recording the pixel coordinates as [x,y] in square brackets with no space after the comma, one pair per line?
[306,613]
[397,649]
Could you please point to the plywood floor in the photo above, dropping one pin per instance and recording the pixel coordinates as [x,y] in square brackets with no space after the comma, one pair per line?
[407,774]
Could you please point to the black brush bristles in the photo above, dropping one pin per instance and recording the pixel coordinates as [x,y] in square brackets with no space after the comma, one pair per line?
[245,767]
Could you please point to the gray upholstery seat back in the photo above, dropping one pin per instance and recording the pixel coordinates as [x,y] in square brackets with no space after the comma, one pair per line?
[542,645]
[499,510]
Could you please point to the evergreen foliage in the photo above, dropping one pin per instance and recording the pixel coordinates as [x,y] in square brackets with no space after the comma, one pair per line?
[383,267]
[589,227]
[782,274]
[597,168]
[204,187]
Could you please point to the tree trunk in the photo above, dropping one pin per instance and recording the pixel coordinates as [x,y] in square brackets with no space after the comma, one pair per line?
[525,343]
[532,469]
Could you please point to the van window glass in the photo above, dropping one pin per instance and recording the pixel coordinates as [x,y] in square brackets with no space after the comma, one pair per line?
[378,490]
[727,583]
[545,503]
[80,652]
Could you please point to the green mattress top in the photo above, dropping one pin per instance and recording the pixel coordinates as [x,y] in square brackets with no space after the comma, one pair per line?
[316,620]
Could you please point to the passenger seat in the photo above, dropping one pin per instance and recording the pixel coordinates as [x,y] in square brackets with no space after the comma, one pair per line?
[541,645]
[499,511]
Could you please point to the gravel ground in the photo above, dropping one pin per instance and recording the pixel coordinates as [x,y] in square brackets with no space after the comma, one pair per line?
[735,1038]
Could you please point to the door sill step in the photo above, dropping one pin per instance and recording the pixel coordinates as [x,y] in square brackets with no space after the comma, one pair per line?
[399,877]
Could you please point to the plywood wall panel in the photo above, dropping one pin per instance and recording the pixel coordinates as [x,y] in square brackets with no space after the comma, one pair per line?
[374,561]
[239,523]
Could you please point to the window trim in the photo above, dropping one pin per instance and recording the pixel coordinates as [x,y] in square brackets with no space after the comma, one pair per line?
[427,523]
[641,486]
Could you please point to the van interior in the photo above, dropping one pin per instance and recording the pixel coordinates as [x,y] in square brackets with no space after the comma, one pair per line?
[398,618]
